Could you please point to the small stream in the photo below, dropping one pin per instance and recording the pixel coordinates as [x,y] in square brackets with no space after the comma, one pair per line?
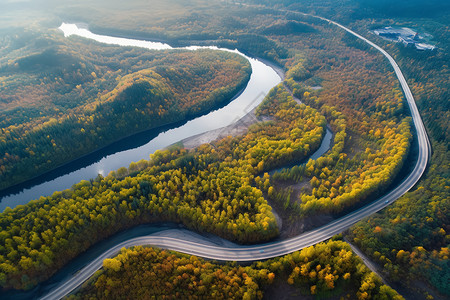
[139,147]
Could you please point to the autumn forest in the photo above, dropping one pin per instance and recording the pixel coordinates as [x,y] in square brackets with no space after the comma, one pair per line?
[62,98]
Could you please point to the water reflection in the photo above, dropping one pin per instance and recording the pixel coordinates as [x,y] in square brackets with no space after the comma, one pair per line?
[263,78]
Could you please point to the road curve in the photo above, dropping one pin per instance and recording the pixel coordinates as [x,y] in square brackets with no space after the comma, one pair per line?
[274,249]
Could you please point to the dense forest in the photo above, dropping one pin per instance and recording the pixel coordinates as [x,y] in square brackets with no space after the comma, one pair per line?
[327,269]
[364,106]
[207,189]
[410,239]
[224,187]
[75,96]
[377,129]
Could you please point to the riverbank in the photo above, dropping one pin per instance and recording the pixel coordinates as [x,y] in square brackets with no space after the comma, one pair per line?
[172,121]
[287,226]
[235,129]
[276,67]
[316,234]
[241,125]
[133,148]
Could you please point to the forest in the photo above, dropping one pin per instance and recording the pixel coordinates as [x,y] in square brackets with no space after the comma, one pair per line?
[226,187]
[208,189]
[324,270]
[410,239]
[364,106]
[77,96]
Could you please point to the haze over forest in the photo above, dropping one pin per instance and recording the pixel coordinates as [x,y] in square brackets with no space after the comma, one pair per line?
[320,185]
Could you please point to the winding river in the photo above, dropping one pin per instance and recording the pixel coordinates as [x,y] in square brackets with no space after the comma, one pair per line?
[263,78]
[255,252]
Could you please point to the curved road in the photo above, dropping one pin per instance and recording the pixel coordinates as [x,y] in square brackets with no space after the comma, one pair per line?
[270,250]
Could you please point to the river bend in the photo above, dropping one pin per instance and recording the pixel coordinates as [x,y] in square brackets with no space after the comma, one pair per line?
[262,79]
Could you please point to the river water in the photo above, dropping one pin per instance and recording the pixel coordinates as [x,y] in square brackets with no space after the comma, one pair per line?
[139,147]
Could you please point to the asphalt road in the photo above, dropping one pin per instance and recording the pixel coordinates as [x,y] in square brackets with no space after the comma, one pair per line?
[270,250]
